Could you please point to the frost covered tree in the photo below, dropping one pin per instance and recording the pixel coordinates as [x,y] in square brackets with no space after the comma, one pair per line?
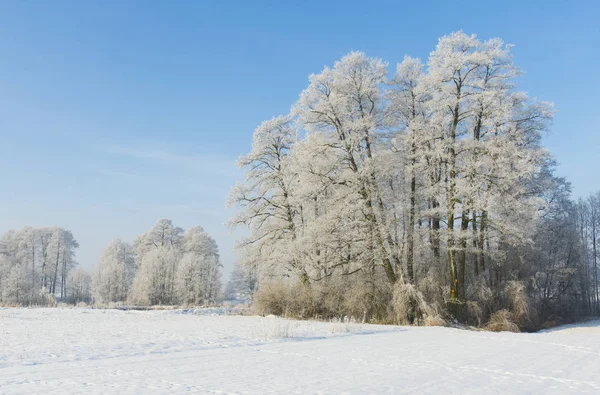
[409,105]
[162,235]
[169,266]
[347,108]
[198,276]
[243,282]
[79,287]
[36,263]
[113,276]
[154,283]
[62,251]
[588,225]
[489,135]
[269,211]
[157,254]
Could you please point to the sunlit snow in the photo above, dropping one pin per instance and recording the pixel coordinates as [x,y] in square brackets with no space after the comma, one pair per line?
[69,351]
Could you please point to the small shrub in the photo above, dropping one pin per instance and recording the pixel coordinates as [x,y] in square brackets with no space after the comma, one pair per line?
[271,298]
[502,321]
[519,304]
[474,313]
[409,305]
[432,289]
[47,299]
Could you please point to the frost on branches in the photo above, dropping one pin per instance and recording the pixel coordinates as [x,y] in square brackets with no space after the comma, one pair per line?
[432,179]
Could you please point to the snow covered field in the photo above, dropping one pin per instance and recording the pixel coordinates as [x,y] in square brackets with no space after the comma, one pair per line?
[75,351]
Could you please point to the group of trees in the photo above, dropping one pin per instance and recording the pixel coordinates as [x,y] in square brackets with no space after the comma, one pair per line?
[587,220]
[429,186]
[426,193]
[163,266]
[36,267]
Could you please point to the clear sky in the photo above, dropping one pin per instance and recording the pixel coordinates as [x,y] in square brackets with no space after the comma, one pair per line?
[114,114]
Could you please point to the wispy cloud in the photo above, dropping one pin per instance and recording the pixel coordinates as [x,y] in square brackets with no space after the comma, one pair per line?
[173,208]
[157,208]
[215,164]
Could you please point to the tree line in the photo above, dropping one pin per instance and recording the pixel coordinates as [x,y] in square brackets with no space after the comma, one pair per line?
[426,193]
[165,265]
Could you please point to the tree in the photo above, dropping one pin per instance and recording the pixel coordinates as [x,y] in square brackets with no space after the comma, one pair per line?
[174,267]
[589,215]
[114,274]
[269,212]
[490,149]
[199,271]
[347,107]
[34,260]
[79,288]
[243,282]
[409,104]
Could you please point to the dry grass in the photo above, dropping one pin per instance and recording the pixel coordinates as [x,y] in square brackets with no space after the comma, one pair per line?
[410,307]
[519,304]
[502,321]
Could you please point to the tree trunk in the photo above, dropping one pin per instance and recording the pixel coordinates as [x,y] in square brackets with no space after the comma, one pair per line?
[44,257]
[452,203]
[462,257]
[411,226]
[435,226]
[63,278]
[594,223]
[53,289]
[390,259]
[475,249]
[480,243]
[32,268]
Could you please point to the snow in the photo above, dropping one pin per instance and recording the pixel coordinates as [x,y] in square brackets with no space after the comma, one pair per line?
[72,351]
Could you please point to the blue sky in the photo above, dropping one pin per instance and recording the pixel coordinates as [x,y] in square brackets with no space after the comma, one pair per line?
[114,114]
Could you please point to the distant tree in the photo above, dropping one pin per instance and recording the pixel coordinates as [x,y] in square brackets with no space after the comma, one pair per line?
[79,288]
[199,271]
[114,274]
[174,267]
[243,282]
[35,264]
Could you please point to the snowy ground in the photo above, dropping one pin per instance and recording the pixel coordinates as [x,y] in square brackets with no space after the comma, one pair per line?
[74,351]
